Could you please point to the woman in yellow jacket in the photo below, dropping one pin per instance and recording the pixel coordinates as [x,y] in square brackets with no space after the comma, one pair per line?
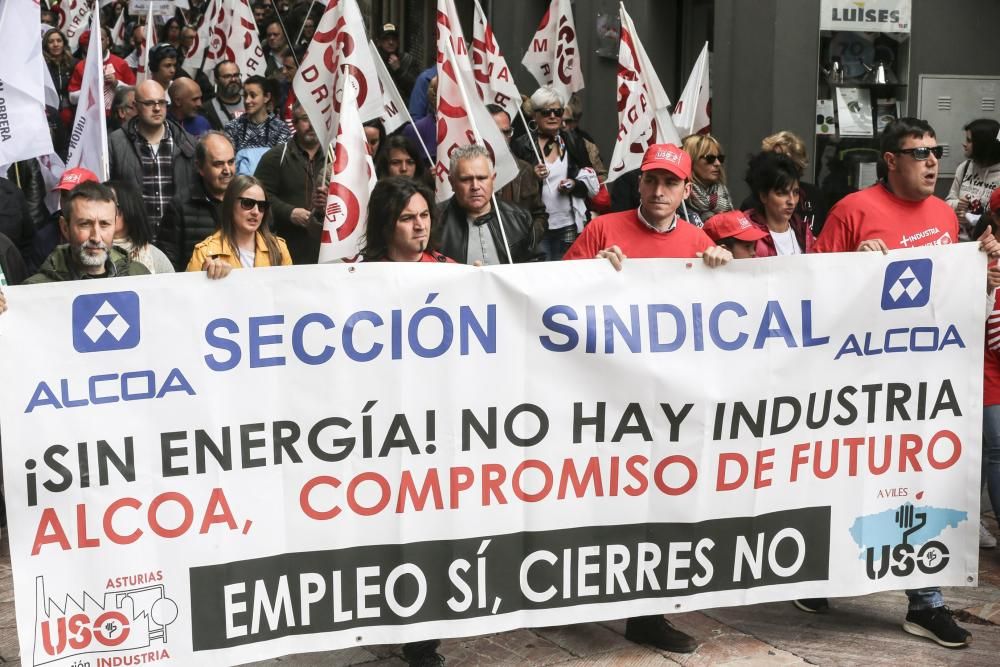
[244,239]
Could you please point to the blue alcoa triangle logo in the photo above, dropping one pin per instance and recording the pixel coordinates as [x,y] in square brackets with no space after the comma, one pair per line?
[106,321]
[907,284]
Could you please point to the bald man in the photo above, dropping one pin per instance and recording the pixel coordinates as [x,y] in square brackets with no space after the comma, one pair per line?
[153,152]
[185,105]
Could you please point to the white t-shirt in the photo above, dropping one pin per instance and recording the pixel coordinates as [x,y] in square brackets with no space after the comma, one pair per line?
[786,243]
[558,206]
[247,257]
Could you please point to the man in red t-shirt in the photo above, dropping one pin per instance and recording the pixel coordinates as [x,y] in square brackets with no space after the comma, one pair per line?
[653,229]
[901,211]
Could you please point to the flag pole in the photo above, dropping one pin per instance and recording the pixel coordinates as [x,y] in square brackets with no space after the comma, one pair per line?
[303,26]
[288,42]
[479,139]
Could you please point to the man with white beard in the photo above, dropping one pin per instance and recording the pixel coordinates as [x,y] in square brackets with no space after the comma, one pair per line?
[88,222]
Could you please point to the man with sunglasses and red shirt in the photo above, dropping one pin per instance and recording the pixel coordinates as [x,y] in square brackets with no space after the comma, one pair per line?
[901,211]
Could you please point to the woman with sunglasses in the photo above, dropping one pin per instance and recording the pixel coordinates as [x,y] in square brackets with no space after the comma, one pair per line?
[977,177]
[244,239]
[563,172]
[709,194]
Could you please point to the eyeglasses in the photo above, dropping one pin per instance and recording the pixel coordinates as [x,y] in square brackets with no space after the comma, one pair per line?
[230,76]
[551,112]
[150,104]
[711,158]
[509,132]
[247,204]
[922,153]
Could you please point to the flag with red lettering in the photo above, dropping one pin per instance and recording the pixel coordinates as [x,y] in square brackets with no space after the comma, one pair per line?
[493,78]
[24,132]
[553,56]
[643,105]
[463,119]
[88,141]
[227,32]
[693,113]
[338,49]
[73,18]
[449,30]
[352,177]
[394,111]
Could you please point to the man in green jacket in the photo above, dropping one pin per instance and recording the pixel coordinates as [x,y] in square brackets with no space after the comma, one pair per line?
[89,223]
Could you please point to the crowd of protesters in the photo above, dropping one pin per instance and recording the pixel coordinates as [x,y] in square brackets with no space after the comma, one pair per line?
[230,174]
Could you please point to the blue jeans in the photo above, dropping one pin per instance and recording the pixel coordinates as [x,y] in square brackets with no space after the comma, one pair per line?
[556,242]
[991,455]
[925,598]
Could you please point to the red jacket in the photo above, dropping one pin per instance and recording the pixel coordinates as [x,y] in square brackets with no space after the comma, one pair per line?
[765,246]
[123,73]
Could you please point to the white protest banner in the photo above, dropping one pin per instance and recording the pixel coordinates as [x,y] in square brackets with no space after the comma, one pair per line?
[693,113]
[24,131]
[868,16]
[314,457]
[73,18]
[643,105]
[462,120]
[160,7]
[394,111]
[338,48]
[352,177]
[88,140]
[493,78]
[553,56]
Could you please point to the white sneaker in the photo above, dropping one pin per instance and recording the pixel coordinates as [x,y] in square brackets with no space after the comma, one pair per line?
[986,539]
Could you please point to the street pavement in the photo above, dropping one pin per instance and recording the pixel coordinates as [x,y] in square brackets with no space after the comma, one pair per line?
[858,631]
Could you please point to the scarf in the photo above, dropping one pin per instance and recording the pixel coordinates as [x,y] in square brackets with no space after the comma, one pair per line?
[709,201]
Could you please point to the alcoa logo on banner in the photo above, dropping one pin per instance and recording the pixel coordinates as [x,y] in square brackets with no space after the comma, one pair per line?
[105,322]
[907,284]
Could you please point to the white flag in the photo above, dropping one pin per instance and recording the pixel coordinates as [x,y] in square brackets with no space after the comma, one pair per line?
[462,120]
[209,40]
[352,177]
[88,142]
[449,30]
[338,49]
[24,131]
[693,111]
[118,32]
[227,32]
[493,77]
[74,19]
[394,112]
[643,105]
[147,45]
[553,57]
[52,168]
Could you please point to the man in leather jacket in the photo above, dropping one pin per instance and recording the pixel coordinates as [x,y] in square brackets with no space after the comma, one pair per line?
[470,229]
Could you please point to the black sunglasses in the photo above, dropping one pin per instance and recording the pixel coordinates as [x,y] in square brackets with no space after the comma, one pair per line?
[921,153]
[551,112]
[247,204]
[711,158]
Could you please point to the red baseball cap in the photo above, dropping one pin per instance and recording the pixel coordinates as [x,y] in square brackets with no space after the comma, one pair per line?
[995,201]
[732,224]
[669,157]
[73,177]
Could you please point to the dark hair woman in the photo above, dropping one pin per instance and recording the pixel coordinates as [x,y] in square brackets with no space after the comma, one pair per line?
[774,184]
[978,176]
[244,238]
[133,233]
[258,127]
[55,50]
